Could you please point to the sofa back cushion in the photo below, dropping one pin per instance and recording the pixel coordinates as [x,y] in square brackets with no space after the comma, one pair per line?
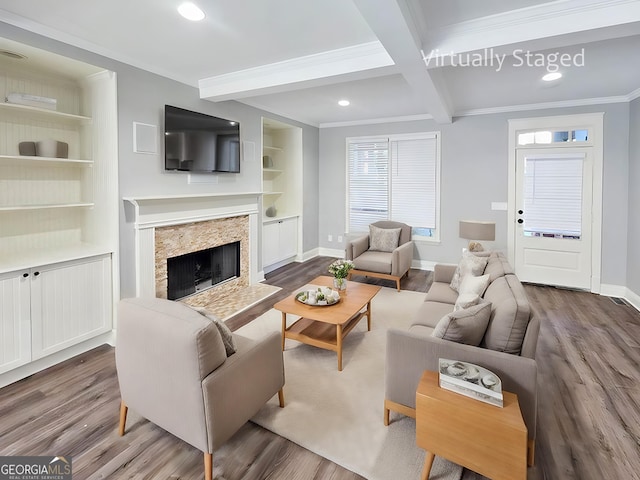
[497,266]
[509,317]
[466,326]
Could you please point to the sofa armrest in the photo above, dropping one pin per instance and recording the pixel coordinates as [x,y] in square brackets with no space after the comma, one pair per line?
[236,390]
[408,355]
[443,273]
[402,258]
[356,247]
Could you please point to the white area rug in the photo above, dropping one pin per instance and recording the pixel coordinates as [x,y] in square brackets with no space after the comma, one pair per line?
[339,415]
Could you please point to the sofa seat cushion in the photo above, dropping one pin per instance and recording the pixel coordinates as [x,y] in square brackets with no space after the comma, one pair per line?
[421,330]
[441,292]
[510,315]
[371,261]
[464,326]
[430,313]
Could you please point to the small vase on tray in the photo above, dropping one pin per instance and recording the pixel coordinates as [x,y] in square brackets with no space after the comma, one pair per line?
[340,284]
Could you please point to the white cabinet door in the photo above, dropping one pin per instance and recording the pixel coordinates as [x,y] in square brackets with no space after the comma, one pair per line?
[288,238]
[70,303]
[15,324]
[270,243]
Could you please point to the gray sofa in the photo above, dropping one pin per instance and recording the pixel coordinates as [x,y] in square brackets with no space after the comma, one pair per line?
[508,347]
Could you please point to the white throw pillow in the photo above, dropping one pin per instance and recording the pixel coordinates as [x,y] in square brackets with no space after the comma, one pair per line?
[474,285]
[383,239]
[466,300]
[470,264]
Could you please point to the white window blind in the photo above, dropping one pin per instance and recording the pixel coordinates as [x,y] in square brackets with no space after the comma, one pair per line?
[393,178]
[413,182]
[553,196]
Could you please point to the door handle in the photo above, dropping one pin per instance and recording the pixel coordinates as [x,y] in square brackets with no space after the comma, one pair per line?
[520,220]
[520,212]
[25,275]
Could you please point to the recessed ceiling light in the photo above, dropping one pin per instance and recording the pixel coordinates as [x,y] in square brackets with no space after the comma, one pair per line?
[550,77]
[191,11]
[344,103]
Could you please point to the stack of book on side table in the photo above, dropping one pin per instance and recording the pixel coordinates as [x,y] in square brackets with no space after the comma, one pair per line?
[471,380]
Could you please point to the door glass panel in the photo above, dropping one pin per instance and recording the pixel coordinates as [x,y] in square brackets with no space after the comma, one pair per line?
[553,197]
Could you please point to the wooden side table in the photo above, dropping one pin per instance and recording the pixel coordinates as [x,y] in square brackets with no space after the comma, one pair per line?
[489,440]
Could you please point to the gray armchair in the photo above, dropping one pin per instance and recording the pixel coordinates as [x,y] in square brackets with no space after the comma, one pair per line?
[391,264]
[173,370]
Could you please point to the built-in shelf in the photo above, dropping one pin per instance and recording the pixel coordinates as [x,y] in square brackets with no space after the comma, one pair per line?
[35,112]
[44,206]
[272,193]
[273,149]
[272,171]
[11,261]
[44,160]
[277,218]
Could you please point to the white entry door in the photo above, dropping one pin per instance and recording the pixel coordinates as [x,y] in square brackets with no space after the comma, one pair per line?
[553,231]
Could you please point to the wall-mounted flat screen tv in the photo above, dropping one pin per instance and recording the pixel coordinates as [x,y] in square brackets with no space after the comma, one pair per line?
[200,143]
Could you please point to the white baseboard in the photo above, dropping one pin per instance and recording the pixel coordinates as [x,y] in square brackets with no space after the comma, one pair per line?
[330,252]
[621,292]
[633,298]
[310,254]
[423,264]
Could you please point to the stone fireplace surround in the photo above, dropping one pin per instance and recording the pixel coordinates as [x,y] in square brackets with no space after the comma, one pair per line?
[172,225]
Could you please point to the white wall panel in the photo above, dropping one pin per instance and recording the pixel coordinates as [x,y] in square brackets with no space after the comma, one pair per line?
[15,327]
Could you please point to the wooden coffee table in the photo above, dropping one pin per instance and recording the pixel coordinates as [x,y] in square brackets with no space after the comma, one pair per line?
[489,440]
[326,326]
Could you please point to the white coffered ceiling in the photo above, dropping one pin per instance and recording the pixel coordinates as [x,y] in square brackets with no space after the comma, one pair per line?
[297,58]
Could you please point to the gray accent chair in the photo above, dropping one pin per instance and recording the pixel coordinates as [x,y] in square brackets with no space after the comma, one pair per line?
[173,370]
[388,265]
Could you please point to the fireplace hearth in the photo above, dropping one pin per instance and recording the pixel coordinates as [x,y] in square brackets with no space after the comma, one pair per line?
[195,272]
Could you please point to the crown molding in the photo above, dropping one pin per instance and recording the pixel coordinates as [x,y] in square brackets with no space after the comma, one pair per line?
[64,37]
[275,111]
[530,23]
[541,106]
[372,121]
[254,81]
[633,95]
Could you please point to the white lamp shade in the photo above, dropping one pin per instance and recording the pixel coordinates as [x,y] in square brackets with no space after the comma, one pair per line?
[472,230]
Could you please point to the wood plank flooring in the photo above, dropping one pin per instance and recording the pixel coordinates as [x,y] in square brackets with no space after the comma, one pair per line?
[588,406]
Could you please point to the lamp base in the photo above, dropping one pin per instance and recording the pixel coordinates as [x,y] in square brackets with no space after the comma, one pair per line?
[475,247]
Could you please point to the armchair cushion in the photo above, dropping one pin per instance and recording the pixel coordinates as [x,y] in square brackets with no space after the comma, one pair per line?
[371,261]
[383,239]
[464,326]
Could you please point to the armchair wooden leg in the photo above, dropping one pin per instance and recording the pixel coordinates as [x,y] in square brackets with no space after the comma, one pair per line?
[123,417]
[208,466]
[531,452]
[398,283]
[386,416]
[281,397]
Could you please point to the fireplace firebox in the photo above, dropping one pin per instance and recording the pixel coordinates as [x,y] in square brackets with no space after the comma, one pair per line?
[195,272]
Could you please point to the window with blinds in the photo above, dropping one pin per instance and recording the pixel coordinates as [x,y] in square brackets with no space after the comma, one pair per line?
[394,178]
[553,197]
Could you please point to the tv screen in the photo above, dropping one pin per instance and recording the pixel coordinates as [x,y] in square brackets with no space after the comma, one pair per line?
[199,143]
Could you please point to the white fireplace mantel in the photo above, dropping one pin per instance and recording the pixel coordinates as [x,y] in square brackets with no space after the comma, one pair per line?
[151,212]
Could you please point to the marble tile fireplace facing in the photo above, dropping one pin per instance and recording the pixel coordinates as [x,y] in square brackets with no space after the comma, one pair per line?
[176,240]
[168,226]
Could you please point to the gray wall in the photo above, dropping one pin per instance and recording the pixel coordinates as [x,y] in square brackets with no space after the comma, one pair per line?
[141,98]
[633,255]
[474,174]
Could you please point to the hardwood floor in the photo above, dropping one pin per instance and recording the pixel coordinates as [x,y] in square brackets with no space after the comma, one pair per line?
[588,404]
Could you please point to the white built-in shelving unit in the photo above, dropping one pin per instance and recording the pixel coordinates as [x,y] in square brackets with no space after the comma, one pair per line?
[58,216]
[281,189]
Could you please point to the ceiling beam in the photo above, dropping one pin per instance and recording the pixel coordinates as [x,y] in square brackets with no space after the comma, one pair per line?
[302,72]
[566,19]
[392,22]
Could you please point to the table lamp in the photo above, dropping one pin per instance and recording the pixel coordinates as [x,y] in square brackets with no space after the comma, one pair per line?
[474,231]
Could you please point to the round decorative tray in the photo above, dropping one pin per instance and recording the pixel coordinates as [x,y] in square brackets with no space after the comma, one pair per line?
[322,297]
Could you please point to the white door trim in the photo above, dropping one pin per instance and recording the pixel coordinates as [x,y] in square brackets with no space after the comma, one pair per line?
[593,121]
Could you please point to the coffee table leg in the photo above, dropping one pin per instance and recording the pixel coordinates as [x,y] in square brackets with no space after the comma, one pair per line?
[369,316]
[428,462]
[339,345]
[284,327]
